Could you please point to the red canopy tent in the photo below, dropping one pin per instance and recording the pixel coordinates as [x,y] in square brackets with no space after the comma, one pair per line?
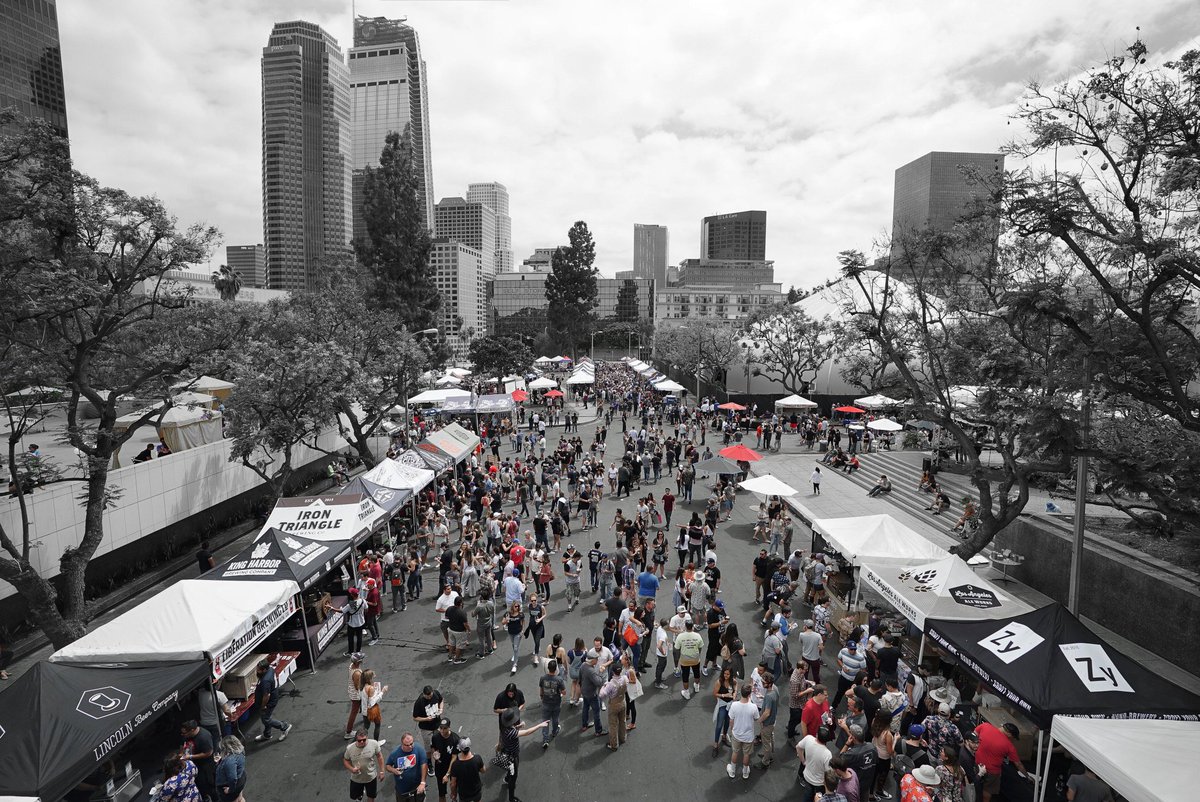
[732,405]
[519,395]
[740,453]
[849,410]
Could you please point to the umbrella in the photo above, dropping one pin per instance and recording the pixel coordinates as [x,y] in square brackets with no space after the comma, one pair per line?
[717,465]
[884,425]
[768,485]
[731,405]
[740,453]
[554,394]
[520,395]
[849,409]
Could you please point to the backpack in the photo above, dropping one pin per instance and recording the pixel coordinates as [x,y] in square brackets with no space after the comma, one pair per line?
[576,664]
[903,762]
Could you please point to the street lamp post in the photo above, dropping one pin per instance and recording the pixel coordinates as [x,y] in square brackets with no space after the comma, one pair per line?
[592,349]
[407,412]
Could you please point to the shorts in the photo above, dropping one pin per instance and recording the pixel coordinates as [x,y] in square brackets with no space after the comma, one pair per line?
[745,748]
[371,789]
[459,640]
[991,782]
[444,626]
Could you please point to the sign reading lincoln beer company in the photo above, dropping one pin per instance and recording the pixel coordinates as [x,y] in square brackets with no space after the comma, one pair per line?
[318,517]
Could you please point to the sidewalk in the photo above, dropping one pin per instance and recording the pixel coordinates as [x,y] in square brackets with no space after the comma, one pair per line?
[842,496]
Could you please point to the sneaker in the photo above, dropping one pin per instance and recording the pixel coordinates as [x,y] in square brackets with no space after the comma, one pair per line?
[545,744]
[745,772]
[514,669]
[696,687]
[459,661]
[662,686]
[678,673]
[686,693]
[480,655]
[729,769]
[373,642]
[704,671]
[535,659]
[261,738]
[885,795]
[348,736]
[283,735]
[604,705]
[382,741]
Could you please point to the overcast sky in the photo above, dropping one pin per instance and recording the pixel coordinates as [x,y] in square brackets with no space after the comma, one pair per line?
[615,112]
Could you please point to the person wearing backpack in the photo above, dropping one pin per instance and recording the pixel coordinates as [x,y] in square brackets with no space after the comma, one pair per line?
[691,647]
[575,660]
[910,753]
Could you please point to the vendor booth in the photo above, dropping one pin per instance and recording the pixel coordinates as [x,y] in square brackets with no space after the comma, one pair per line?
[1122,751]
[59,723]
[454,441]
[669,386]
[181,428]
[1047,662]
[431,456]
[439,396]
[208,384]
[343,517]
[543,383]
[878,539]
[794,402]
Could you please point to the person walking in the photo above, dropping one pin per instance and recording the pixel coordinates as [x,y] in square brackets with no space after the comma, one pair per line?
[427,711]
[815,478]
[799,691]
[266,697]
[485,623]
[510,747]
[691,647]
[512,623]
[444,750]
[466,780]
[364,760]
[231,770]
[551,689]
[850,662]
[575,661]
[769,710]
[372,695]
[408,764]
[742,716]
[725,691]
[536,628]
[460,631]
[354,691]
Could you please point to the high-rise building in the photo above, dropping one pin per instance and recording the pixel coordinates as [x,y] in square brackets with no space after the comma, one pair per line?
[518,302]
[249,262]
[651,244]
[31,76]
[457,269]
[723,289]
[306,153]
[739,235]
[390,92]
[495,195]
[471,223]
[540,261]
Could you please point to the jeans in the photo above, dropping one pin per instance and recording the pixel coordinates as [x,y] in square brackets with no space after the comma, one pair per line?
[659,669]
[607,585]
[722,724]
[591,709]
[842,686]
[269,722]
[354,639]
[398,602]
[415,583]
[794,715]
[595,577]
[550,714]
[776,542]
[484,635]
[373,625]
[516,647]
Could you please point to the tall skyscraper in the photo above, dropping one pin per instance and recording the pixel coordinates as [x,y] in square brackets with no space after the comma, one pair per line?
[495,196]
[740,235]
[390,91]
[651,245]
[306,153]
[249,262]
[31,76]
[472,224]
[932,193]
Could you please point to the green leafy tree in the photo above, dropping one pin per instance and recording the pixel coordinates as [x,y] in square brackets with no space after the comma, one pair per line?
[571,291]
[499,356]
[788,345]
[227,282]
[397,245]
[84,303]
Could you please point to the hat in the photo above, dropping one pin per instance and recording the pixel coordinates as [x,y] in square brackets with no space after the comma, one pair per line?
[352,592]
[510,718]
[357,657]
[944,709]
[464,745]
[851,644]
[927,775]
[516,572]
[940,695]
[720,605]
[681,609]
[444,724]
[371,582]
[808,623]
[916,731]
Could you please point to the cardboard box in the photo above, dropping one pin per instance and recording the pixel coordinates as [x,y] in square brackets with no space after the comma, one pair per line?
[240,680]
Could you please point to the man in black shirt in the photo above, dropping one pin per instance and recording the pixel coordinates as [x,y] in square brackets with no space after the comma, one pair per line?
[712,575]
[764,566]
[593,557]
[868,697]
[888,657]
[445,748]
[198,748]
[204,558]
[427,712]
[459,630]
[466,781]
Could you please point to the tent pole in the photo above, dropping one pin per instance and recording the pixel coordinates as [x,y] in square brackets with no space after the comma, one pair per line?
[1039,787]
[312,656]
[921,651]
[1049,749]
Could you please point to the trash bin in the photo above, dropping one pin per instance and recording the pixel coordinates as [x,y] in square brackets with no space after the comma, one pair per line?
[927,464]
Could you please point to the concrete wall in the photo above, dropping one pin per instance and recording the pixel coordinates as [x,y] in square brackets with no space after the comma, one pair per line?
[153,496]
[1135,596]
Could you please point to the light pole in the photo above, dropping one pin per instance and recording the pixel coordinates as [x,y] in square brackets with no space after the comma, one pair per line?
[592,349]
[629,343]
[407,412]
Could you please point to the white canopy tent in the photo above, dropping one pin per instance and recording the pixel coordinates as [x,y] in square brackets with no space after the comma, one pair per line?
[181,428]
[459,372]
[194,619]
[885,425]
[876,401]
[189,398]
[454,440]
[946,589]
[1128,754]
[543,383]
[445,380]
[207,384]
[437,396]
[543,360]
[876,539]
[668,386]
[582,377]
[768,485]
[794,401]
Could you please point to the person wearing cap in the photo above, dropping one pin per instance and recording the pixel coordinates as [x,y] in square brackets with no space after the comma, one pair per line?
[691,646]
[355,613]
[917,786]
[850,662]
[443,748]
[941,732]
[590,680]
[465,774]
[995,745]
[364,760]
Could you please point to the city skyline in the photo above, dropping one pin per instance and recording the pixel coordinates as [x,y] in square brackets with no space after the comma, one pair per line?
[631,132]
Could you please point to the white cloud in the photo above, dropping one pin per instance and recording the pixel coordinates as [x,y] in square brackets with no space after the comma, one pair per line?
[623,112]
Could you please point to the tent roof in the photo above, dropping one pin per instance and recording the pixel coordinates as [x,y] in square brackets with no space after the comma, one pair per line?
[583,377]
[543,360]
[341,517]
[432,456]
[1120,752]
[794,401]
[278,555]
[874,538]
[204,384]
[885,425]
[398,475]
[544,383]
[174,417]
[190,397]
[1047,662]
[436,396]
[876,401]
[454,440]
[768,485]
[55,719]
[717,465]
[946,589]
[190,620]
[669,386]
[493,402]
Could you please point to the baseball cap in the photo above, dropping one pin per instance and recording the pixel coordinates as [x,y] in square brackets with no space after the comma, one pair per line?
[916,731]
[719,604]
[352,592]
[851,644]
[444,724]
[944,709]
[712,559]
[681,609]
[516,572]
[464,745]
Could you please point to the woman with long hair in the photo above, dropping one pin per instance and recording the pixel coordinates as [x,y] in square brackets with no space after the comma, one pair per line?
[885,747]
[354,691]
[372,695]
[954,778]
[179,780]
[231,771]
[733,651]
[660,554]
[555,651]
[574,664]
[513,623]
[536,628]
[724,691]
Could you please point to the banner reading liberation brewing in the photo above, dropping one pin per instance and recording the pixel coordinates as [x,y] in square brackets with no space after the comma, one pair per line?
[319,517]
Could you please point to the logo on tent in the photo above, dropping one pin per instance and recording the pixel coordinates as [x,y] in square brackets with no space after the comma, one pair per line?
[384,496]
[1094,667]
[292,543]
[1011,641]
[971,596]
[1,732]
[260,551]
[103,702]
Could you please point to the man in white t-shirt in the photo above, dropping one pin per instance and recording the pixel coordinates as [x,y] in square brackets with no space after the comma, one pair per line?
[662,645]
[814,756]
[742,715]
[444,603]
[676,626]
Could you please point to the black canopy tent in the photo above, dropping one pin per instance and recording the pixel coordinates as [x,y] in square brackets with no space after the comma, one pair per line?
[281,555]
[59,721]
[389,499]
[1047,662]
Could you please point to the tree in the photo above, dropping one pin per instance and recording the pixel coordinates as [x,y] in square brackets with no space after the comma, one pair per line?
[699,346]
[84,304]
[227,282]
[627,302]
[499,356]
[861,360]
[571,291]
[397,245]
[787,345]
[1117,202]
[793,295]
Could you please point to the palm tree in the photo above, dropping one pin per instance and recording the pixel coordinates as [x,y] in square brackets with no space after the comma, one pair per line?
[227,282]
